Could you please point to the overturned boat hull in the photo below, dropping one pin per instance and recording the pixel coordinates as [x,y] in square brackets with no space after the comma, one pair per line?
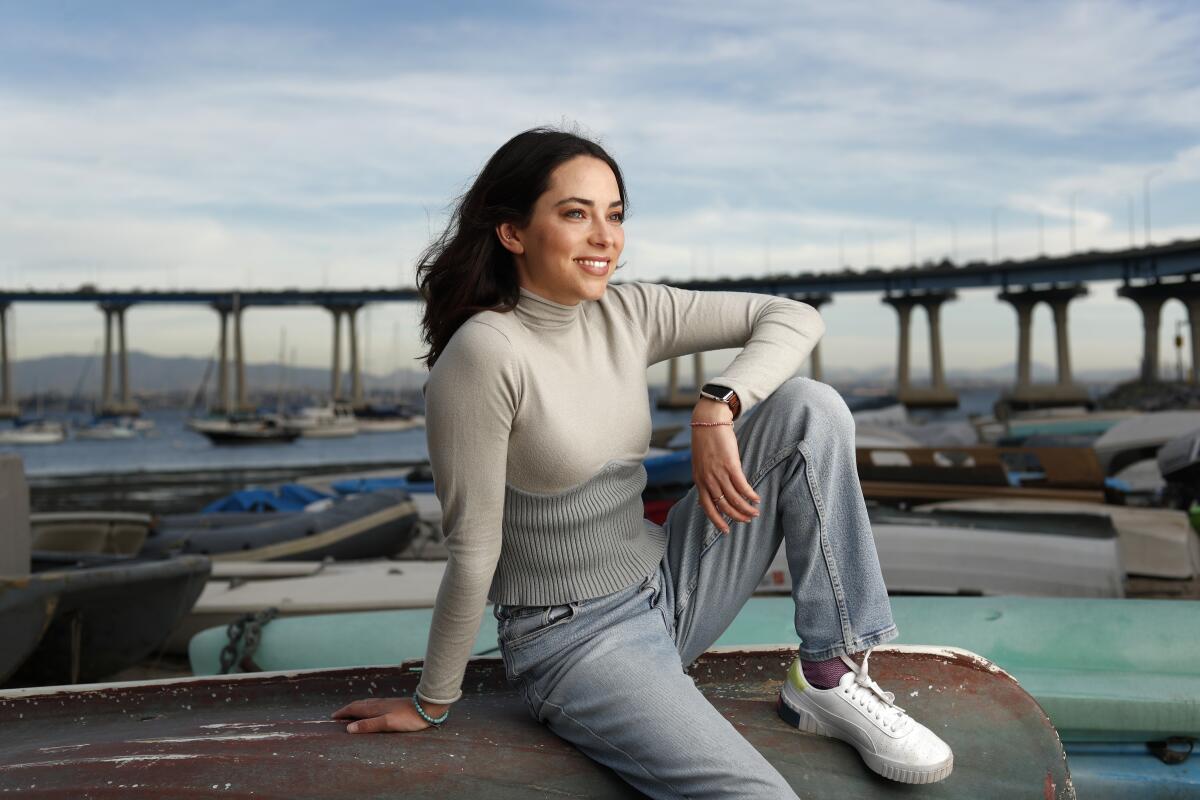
[271,736]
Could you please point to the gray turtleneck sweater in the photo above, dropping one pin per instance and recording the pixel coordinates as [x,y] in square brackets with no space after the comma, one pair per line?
[538,422]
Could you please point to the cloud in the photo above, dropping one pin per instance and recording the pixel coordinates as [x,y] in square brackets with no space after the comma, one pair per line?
[254,147]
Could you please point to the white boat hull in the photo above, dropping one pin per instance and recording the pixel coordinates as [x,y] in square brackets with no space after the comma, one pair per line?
[237,588]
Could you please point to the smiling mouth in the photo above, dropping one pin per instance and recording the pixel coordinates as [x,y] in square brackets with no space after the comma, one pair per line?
[595,265]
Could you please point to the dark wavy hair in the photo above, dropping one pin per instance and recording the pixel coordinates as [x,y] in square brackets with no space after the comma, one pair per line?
[466,270]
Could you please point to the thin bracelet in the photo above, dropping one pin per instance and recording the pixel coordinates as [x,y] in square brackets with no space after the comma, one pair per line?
[709,424]
[445,714]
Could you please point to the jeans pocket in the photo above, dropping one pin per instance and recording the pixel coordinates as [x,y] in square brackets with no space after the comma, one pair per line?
[527,624]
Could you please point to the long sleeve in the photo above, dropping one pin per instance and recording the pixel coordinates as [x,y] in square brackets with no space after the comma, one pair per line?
[471,398]
[776,334]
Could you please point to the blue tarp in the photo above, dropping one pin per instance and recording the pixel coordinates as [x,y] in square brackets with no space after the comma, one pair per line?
[289,497]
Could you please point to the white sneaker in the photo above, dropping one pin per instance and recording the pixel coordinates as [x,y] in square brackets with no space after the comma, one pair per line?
[859,712]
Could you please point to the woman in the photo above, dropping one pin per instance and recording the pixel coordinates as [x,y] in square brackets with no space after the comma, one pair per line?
[538,423]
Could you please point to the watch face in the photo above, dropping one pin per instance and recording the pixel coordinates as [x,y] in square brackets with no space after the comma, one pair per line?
[722,393]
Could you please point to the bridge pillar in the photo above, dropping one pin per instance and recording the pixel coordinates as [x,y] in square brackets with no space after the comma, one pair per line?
[1026,393]
[239,358]
[1150,299]
[126,405]
[223,406]
[335,383]
[1193,309]
[937,394]
[683,398]
[814,360]
[106,382]
[8,405]
[356,388]
[114,316]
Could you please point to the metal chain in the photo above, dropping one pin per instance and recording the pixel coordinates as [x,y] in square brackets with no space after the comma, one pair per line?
[246,630]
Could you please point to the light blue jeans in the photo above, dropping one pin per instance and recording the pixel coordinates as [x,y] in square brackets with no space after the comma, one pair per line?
[607,674]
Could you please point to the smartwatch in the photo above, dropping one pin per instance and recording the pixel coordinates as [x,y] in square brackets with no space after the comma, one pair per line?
[722,394]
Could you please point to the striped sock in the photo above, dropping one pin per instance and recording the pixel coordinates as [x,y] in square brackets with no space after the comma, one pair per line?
[824,674]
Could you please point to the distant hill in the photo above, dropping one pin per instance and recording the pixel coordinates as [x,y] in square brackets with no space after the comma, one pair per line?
[150,374]
[1001,374]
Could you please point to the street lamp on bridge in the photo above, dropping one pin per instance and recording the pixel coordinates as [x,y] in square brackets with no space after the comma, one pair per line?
[1149,176]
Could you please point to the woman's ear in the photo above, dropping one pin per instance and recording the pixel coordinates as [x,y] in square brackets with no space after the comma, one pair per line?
[510,238]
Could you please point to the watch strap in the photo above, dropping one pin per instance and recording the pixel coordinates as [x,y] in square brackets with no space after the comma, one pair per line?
[722,394]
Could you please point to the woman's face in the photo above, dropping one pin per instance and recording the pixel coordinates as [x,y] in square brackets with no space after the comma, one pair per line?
[574,237]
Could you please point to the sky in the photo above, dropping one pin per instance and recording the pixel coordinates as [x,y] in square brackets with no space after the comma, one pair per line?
[299,144]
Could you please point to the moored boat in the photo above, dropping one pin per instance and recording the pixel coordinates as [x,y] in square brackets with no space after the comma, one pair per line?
[1140,437]
[33,431]
[360,526]
[324,422]
[111,532]
[26,607]
[238,588]
[1154,542]
[107,612]
[244,429]
[106,428]
[387,418]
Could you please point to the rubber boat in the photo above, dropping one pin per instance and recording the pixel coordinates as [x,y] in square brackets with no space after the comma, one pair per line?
[360,526]
[271,735]
[98,614]
[286,497]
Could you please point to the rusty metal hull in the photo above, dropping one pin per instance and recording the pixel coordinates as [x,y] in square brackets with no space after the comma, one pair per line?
[270,736]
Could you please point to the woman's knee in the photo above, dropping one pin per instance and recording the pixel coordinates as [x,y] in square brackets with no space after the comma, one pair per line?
[818,402]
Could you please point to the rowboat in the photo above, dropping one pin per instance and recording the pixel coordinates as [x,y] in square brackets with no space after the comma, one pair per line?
[110,532]
[99,614]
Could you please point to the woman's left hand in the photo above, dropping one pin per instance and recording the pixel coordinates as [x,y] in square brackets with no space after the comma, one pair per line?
[717,467]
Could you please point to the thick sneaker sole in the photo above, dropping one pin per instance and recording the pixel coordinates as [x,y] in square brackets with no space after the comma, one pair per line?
[804,720]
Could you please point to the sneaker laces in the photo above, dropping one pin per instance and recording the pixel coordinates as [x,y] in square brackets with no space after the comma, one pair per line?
[868,693]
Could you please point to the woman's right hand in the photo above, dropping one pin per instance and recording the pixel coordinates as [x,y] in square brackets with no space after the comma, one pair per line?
[386,715]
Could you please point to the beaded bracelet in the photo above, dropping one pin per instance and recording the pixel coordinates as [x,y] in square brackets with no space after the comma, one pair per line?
[709,424]
[445,714]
